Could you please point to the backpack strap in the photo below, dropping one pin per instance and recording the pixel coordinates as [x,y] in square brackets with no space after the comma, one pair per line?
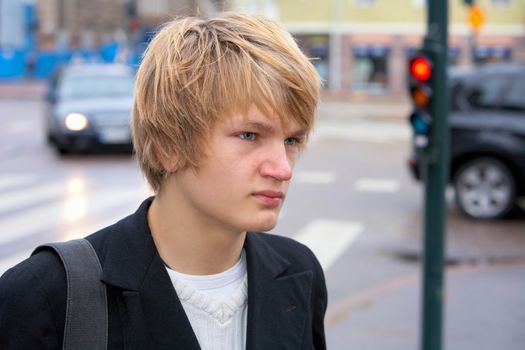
[86,321]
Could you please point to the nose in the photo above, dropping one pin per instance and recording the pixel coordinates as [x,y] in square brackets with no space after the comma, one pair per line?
[277,164]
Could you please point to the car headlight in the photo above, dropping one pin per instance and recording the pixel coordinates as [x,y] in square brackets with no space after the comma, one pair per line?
[76,121]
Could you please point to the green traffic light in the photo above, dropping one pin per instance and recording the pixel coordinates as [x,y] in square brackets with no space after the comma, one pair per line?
[420,123]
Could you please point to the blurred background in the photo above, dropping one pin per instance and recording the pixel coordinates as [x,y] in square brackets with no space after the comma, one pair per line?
[66,170]
[361,46]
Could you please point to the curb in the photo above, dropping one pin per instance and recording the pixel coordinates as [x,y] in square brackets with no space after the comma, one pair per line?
[23,90]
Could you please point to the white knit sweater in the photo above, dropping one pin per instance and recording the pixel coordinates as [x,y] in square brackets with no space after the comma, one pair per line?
[216,306]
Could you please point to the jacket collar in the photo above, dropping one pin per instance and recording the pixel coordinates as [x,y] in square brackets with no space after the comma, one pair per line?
[278,298]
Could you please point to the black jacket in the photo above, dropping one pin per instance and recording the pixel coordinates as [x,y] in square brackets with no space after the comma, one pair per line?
[286,295]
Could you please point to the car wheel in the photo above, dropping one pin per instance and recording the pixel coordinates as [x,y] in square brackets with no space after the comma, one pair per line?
[63,150]
[485,188]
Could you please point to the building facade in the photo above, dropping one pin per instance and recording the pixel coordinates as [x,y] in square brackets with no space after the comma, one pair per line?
[362,47]
[81,23]
[359,47]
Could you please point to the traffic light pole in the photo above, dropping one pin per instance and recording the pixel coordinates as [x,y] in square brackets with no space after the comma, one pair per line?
[436,173]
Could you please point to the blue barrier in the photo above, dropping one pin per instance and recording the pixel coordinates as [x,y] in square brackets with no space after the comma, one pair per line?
[17,64]
[12,64]
[108,52]
[48,62]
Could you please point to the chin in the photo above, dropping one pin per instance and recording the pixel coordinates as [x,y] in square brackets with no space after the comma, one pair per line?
[263,224]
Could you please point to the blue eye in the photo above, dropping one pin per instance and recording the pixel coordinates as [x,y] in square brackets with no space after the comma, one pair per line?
[250,136]
[291,141]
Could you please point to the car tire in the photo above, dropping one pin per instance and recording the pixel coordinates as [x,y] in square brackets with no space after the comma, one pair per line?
[62,150]
[485,188]
[49,138]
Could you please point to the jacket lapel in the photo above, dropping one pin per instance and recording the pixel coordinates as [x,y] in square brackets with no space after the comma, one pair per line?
[278,298]
[151,312]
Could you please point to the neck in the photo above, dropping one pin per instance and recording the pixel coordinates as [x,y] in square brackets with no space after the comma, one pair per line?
[188,244]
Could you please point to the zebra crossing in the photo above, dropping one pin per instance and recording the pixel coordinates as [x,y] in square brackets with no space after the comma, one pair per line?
[362,131]
[33,211]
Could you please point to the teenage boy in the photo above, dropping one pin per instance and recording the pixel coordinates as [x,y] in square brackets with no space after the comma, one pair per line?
[223,107]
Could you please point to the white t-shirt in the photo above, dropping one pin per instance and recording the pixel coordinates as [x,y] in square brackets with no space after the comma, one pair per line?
[216,305]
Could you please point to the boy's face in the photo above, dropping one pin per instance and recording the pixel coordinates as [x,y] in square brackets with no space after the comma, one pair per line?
[242,181]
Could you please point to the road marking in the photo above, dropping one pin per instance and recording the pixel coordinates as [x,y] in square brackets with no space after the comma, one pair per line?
[315,177]
[52,216]
[20,126]
[329,239]
[73,233]
[15,200]
[377,185]
[11,180]
[82,231]
[370,132]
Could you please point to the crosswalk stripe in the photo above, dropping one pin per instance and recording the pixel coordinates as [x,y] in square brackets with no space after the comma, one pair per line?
[13,180]
[17,199]
[329,239]
[84,230]
[362,132]
[73,233]
[53,215]
[377,185]
[315,177]
[20,126]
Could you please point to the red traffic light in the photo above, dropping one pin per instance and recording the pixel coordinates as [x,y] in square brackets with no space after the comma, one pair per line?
[420,68]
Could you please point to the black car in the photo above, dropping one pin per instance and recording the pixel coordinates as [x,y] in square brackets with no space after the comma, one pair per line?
[90,107]
[487,132]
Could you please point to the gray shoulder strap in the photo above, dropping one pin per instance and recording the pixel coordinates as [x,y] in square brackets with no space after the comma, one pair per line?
[86,325]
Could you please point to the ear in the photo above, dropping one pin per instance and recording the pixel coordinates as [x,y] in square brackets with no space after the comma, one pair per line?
[169,163]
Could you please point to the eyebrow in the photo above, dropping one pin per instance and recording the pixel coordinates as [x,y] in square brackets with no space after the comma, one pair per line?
[259,126]
[263,127]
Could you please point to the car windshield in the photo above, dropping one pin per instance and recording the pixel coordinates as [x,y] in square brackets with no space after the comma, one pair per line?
[96,86]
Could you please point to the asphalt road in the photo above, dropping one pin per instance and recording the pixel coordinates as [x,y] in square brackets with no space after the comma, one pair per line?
[352,201]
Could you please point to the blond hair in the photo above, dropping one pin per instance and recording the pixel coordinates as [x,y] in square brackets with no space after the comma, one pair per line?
[197,70]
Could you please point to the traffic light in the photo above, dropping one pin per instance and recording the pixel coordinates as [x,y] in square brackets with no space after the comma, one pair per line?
[420,70]
[475,17]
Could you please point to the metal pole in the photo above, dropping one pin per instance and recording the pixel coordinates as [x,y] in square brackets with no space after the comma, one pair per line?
[436,178]
[335,48]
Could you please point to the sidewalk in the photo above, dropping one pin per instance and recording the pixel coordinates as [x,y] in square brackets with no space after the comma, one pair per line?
[386,109]
[483,310]
[23,89]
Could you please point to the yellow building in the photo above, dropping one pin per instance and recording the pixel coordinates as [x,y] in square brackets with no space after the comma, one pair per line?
[363,46]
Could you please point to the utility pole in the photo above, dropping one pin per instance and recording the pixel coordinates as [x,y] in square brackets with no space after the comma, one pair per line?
[436,171]
[334,55]
[475,19]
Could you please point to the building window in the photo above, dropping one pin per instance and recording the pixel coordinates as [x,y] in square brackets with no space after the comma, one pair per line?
[489,54]
[316,46]
[365,3]
[370,68]
[501,3]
